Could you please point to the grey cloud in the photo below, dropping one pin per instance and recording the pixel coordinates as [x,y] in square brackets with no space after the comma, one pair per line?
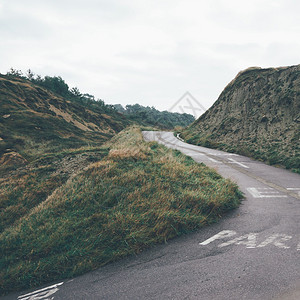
[152,52]
[19,28]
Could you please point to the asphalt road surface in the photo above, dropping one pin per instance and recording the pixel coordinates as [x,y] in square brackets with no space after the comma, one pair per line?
[252,253]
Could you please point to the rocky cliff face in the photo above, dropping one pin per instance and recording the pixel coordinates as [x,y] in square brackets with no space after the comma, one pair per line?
[257,114]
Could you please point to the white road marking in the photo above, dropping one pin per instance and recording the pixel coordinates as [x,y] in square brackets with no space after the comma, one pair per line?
[249,240]
[238,163]
[193,153]
[180,137]
[213,160]
[42,293]
[220,235]
[277,240]
[294,189]
[265,193]
[223,154]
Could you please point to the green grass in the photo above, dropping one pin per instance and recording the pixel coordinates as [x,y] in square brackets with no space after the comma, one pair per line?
[136,195]
[271,153]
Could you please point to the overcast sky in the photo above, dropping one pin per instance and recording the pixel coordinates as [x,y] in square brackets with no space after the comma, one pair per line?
[148,51]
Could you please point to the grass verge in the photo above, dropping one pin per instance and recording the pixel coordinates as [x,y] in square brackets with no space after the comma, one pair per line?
[137,195]
[267,152]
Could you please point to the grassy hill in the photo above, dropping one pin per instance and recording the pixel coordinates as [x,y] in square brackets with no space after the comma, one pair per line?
[258,115]
[136,194]
[35,120]
[79,191]
[41,115]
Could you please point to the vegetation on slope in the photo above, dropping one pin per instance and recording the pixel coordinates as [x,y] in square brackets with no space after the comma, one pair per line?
[43,115]
[34,120]
[257,115]
[136,113]
[133,195]
[150,116]
[59,87]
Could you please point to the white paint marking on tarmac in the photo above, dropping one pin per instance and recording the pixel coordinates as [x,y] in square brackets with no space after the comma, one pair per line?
[193,153]
[238,163]
[42,293]
[294,189]
[277,240]
[265,193]
[178,136]
[218,236]
[213,160]
[223,154]
[249,240]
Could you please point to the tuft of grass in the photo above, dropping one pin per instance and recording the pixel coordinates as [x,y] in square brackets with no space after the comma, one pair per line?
[137,195]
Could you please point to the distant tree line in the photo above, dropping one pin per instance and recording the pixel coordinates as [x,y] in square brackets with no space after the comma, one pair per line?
[58,86]
[148,116]
[152,116]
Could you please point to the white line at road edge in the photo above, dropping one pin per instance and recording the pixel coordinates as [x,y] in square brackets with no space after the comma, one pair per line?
[23,297]
[179,137]
[238,163]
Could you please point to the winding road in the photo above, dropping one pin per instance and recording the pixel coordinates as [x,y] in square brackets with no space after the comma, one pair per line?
[252,253]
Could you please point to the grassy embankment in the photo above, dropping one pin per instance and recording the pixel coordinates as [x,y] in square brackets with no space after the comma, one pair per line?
[264,151]
[137,194]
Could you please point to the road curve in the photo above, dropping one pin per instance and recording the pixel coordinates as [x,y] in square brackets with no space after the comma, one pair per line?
[252,253]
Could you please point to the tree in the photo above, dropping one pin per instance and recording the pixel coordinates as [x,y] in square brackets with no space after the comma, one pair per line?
[89,97]
[119,108]
[75,92]
[55,84]
[14,72]
[30,75]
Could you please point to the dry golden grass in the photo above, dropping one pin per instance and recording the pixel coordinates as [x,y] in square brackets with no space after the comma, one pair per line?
[12,158]
[127,153]
[138,195]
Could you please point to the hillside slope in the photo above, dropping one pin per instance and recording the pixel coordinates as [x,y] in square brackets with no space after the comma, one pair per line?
[135,195]
[257,114]
[35,120]
[71,203]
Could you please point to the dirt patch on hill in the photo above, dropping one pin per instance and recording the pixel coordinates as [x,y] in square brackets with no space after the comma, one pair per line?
[12,159]
[67,117]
